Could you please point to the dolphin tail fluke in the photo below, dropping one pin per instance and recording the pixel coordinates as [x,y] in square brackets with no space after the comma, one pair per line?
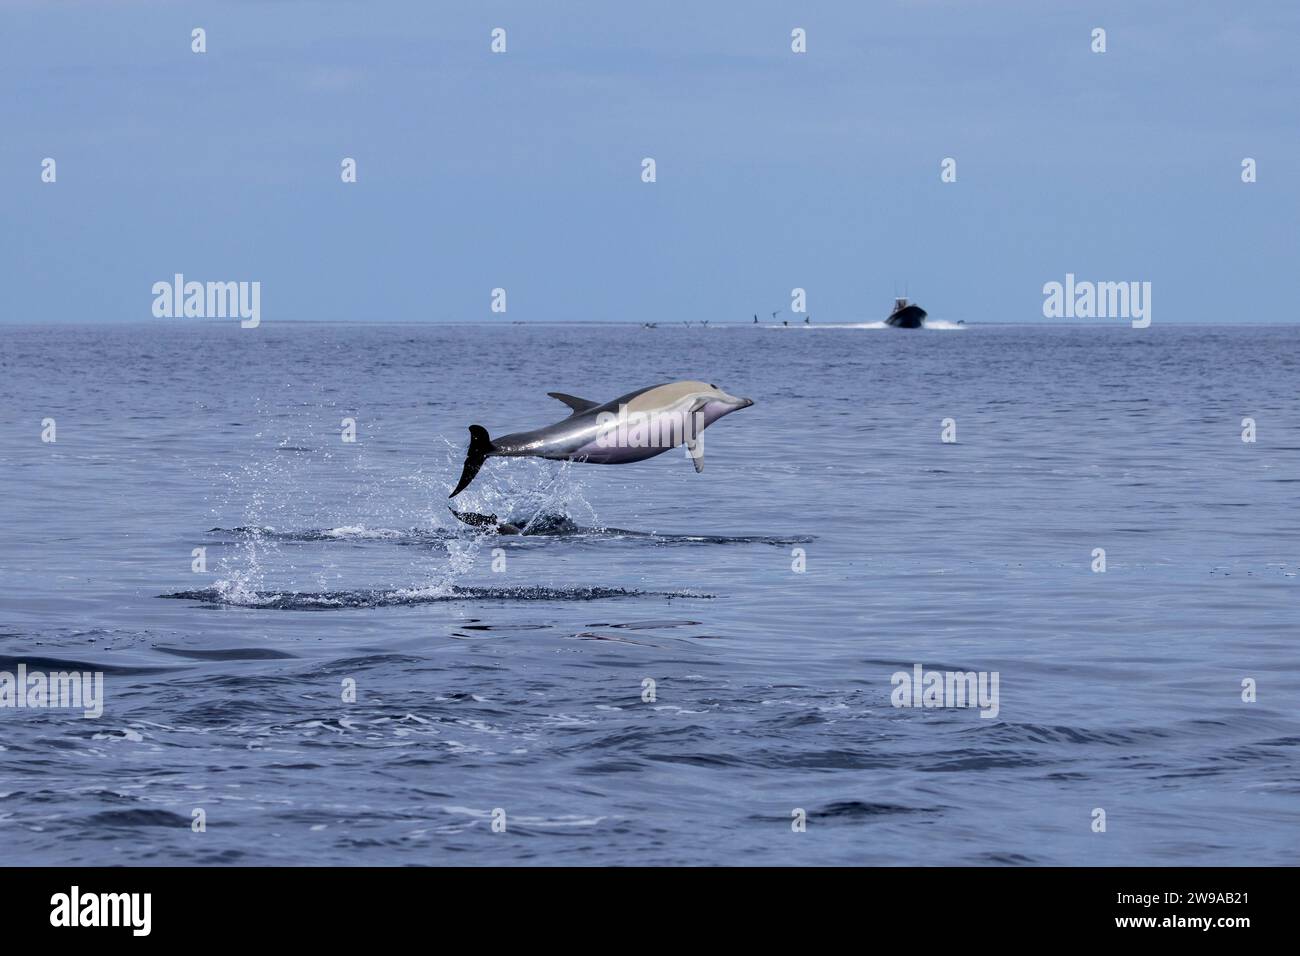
[480,446]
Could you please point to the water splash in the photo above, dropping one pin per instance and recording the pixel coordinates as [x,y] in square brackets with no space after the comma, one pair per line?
[410,597]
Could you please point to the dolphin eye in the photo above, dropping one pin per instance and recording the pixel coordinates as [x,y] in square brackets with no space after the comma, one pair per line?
[713,386]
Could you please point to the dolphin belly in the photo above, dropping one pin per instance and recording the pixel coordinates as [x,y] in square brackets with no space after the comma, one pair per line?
[602,436]
[597,454]
[637,436]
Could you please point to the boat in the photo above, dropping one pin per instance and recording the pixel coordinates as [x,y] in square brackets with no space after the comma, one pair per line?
[906,315]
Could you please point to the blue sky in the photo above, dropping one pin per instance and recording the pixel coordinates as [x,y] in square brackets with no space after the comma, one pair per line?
[523,170]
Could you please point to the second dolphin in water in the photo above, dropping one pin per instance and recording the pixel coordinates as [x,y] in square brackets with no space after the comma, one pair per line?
[632,427]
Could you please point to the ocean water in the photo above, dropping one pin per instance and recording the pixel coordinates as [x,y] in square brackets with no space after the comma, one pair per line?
[507,675]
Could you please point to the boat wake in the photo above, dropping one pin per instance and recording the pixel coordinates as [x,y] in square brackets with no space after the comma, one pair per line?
[933,325]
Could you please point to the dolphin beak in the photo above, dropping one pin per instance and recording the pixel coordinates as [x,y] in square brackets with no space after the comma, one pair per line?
[745,403]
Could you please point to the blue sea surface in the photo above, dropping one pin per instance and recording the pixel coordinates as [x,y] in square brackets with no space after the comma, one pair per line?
[507,678]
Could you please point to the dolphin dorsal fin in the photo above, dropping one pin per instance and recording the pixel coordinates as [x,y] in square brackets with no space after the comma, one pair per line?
[577,404]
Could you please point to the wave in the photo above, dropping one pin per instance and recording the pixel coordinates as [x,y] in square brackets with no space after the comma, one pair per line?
[37,662]
[408,597]
[546,525]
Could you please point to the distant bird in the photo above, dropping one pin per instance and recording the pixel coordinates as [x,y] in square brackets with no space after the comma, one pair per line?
[756,318]
[704,322]
[687,324]
[775,314]
[650,325]
[807,320]
[785,323]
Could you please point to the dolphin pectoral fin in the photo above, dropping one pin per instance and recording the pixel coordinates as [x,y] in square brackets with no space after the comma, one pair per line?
[577,404]
[695,440]
[695,451]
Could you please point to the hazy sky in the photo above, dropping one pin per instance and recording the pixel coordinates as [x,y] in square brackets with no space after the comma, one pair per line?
[775,170]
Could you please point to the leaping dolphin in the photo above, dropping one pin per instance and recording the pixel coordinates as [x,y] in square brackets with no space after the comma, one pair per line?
[632,427]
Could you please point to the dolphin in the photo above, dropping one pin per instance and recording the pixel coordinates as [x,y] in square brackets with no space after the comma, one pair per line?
[632,427]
